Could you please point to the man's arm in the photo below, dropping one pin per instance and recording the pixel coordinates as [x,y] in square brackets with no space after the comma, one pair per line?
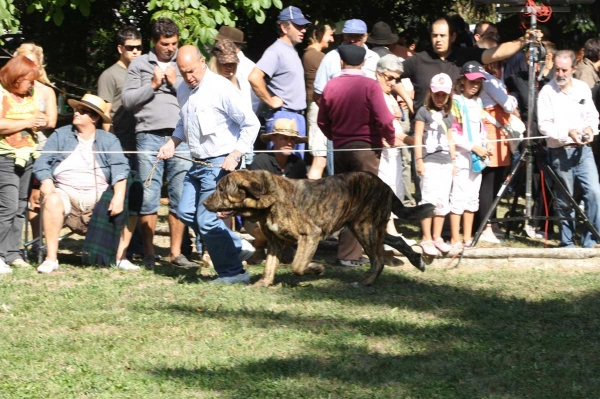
[239,112]
[257,81]
[508,49]
[135,93]
[323,120]
[400,90]
[118,200]
[384,119]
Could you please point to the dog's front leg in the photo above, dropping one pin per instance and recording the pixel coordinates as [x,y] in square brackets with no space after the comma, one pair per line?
[274,254]
[307,246]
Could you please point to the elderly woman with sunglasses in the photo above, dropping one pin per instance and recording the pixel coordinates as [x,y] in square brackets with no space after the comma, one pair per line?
[20,117]
[389,69]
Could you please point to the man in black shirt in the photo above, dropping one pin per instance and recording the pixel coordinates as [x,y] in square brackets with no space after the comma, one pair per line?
[444,58]
[282,162]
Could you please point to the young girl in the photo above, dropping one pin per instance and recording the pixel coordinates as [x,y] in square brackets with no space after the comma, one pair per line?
[470,136]
[434,151]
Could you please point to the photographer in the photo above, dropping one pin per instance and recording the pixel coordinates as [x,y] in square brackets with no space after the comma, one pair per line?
[568,118]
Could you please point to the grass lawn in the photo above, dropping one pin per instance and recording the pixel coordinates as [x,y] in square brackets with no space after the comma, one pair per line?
[446,333]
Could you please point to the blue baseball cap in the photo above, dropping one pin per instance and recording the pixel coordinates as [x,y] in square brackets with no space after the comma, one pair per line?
[355,26]
[293,14]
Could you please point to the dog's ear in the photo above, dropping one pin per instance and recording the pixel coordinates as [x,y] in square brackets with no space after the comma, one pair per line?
[258,186]
[253,188]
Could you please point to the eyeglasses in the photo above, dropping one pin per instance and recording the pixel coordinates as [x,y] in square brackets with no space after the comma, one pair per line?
[391,78]
[85,111]
[129,47]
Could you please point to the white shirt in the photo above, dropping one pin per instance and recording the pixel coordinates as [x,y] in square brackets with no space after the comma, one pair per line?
[214,118]
[330,68]
[561,111]
[244,68]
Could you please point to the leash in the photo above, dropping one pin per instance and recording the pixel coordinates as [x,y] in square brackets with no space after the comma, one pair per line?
[148,180]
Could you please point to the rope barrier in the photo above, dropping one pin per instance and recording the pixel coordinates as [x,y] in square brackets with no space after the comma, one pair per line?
[256,151]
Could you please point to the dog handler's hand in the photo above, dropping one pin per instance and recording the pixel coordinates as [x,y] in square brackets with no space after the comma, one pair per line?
[230,163]
[167,150]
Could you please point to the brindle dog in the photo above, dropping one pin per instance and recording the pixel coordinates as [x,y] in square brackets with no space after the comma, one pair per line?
[307,211]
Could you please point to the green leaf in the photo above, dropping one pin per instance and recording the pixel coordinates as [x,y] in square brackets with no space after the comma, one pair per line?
[58,17]
[84,8]
[260,16]
[151,5]
[195,4]
[265,3]
[218,17]
[256,5]
[278,4]
[185,34]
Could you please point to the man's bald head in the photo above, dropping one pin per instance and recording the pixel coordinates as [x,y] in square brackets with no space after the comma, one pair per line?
[192,65]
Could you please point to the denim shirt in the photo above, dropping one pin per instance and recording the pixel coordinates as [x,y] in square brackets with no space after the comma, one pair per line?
[114,166]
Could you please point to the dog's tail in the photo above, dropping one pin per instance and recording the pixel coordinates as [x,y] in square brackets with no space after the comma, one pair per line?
[411,213]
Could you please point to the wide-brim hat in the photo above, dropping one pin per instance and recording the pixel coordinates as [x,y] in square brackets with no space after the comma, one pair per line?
[93,103]
[231,33]
[286,127]
[382,35]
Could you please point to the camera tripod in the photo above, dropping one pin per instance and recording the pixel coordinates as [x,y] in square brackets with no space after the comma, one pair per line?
[529,158]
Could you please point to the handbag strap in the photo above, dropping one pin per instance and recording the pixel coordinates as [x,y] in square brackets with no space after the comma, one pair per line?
[492,120]
[466,120]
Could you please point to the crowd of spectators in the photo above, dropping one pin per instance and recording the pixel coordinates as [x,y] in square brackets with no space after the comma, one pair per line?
[431,124]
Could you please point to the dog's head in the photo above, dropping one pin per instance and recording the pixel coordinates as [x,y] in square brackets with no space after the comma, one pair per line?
[243,192]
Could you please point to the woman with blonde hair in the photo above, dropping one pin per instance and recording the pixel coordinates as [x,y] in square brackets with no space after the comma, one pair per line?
[46,95]
[46,102]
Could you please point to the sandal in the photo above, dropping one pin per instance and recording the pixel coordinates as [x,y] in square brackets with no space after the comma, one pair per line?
[429,248]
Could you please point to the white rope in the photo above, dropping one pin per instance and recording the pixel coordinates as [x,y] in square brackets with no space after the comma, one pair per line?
[16,151]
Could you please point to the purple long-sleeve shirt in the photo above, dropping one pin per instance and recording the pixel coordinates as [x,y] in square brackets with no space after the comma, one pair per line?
[353,108]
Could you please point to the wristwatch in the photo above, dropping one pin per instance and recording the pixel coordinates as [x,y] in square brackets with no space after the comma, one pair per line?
[237,159]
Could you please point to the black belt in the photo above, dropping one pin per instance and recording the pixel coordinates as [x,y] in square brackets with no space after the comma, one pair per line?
[292,110]
[208,158]
[574,145]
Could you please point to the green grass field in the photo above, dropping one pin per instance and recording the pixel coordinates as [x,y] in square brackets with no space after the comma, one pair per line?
[447,333]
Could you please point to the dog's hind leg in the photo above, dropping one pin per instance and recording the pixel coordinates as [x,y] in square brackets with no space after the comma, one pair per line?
[371,238]
[307,246]
[401,245]
[274,253]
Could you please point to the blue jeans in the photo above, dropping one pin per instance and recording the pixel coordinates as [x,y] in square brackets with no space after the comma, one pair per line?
[222,244]
[174,170]
[14,189]
[576,165]
[272,116]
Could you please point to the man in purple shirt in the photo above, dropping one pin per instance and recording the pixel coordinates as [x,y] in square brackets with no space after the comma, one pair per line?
[354,115]
[278,78]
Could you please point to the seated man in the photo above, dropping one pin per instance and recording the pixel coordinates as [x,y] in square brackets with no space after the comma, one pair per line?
[282,162]
[73,179]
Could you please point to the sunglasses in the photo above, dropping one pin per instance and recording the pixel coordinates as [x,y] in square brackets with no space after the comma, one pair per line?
[391,78]
[129,47]
[85,111]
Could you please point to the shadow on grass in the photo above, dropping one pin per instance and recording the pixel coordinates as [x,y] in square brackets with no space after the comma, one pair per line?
[482,345]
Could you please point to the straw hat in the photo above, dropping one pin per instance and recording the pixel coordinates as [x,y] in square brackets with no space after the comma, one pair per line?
[286,127]
[93,103]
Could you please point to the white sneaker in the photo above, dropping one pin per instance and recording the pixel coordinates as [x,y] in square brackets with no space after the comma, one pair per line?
[246,251]
[4,268]
[48,266]
[531,233]
[125,264]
